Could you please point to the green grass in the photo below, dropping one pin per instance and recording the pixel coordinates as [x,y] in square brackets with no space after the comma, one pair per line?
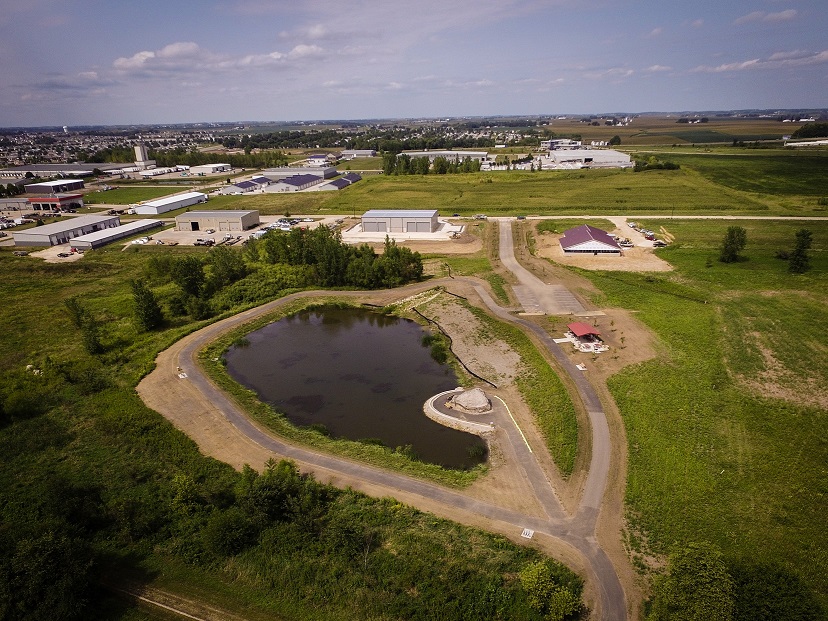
[127,195]
[709,458]
[543,392]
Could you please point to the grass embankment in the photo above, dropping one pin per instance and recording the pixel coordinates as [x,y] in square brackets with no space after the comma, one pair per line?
[542,390]
[89,472]
[385,457]
[713,455]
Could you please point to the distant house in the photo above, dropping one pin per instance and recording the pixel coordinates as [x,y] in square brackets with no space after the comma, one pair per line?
[586,239]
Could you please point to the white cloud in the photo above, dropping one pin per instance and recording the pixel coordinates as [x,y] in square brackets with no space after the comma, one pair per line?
[762,16]
[779,60]
[697,23]
[655,32]
[304,51]
[658,68]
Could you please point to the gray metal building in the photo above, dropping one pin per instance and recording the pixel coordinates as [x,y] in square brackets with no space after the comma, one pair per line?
[220,220]
[107,236]
[400,221]
[65,230]
[59,185]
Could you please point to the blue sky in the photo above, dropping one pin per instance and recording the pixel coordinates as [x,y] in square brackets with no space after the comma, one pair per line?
[80,62]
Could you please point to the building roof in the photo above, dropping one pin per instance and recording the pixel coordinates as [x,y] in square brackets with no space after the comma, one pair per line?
[300,179]
[260,180]
[246,185]
[584,234]
[400,213]
[352,177]
[119,231]
[339,184]
[69,224]
[582,329]
[56,183]
[167,200]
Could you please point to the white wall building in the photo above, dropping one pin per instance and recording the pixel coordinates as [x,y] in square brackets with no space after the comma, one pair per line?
[65,230]
[400,221]
[210,169]
[169,203]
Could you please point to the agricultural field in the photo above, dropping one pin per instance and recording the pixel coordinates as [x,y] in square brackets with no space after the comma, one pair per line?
[725,426]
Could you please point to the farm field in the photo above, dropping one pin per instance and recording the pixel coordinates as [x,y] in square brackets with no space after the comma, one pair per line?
[725,425]
[128,195]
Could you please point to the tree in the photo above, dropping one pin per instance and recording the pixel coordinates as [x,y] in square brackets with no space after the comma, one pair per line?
[615,141]
[696,587]
[226,266]
[800,262]
[732,244]
[766,592]
[147,311]
[550,591]
[188,273]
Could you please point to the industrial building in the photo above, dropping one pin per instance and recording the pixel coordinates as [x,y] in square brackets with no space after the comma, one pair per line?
[242,187]
[573,159]
[51,187]
[400,221]
[219,220]
[586,239]
[142,160]
[56,202]
[107,236]
[282,172]
[58,170]
[352,154]
[294,183]
[343,182]
[451,156]
[210,169]
[65,230]
[169,203]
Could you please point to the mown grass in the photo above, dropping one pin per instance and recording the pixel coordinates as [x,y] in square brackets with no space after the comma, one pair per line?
[710,458]
[127,195]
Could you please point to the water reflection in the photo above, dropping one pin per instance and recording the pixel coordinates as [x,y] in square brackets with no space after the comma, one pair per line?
[360,374]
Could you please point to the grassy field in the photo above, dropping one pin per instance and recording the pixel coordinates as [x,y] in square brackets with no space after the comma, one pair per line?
[723,444]
[128,195]
[83,457]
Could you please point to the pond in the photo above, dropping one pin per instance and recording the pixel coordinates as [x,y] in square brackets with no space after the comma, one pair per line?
[362,375]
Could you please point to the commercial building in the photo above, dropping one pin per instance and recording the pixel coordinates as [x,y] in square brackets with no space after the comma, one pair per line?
[56,202]
[65,230]
[210,169]
[343,182]
[142,161]
[169,203]
[571,159]
[560,143]
[294,183]
[400,221]
[220,220]
[107,236]
[242,187]
[51,187]
[282,172]
[586,239]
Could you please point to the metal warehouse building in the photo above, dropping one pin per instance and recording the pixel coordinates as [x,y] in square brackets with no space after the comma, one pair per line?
[218,220]
[101,238]
[586,239]
[61,232]
[50,187]
[209,169]
[400,221]
[168,203]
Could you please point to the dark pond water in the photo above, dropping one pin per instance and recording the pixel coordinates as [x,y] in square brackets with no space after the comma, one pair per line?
[361,374]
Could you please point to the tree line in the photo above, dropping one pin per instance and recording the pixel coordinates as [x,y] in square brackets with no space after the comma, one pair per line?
[404,164]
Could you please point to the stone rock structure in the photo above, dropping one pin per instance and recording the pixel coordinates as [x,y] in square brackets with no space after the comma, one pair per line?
[473,401]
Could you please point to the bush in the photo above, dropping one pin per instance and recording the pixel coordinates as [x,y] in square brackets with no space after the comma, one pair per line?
[228,532]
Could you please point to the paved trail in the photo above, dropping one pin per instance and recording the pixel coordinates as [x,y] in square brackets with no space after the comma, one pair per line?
[578,530]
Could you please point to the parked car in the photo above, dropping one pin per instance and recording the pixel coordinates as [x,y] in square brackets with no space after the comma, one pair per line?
[20,253]
[659,244]
[63,255]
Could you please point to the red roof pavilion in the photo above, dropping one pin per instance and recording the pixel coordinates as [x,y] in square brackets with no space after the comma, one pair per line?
[582,329]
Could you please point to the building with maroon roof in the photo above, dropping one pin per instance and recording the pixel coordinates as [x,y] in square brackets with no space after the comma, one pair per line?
[586,239]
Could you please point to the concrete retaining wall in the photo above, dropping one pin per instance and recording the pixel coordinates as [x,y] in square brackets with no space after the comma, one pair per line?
[480,429]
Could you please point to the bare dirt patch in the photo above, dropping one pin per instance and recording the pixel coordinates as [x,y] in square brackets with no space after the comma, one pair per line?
[465,244]
[636,259]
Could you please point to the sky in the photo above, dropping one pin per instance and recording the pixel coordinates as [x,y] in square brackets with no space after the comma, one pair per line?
[104,62]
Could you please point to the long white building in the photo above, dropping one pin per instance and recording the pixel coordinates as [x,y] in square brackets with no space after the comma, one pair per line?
[169,203]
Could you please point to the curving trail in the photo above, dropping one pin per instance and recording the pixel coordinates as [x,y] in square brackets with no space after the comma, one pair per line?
[197,407]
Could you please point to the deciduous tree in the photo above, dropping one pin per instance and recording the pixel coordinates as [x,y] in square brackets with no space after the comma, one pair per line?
[733,243]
